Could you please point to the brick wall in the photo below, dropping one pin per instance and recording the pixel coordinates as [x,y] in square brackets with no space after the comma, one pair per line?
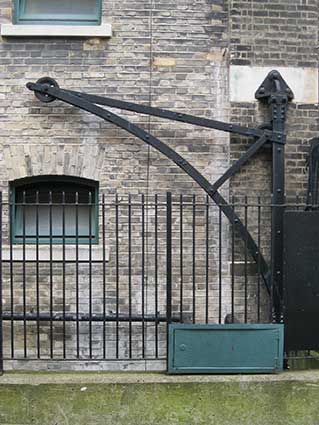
[274,34]
[166,53]
[172,54]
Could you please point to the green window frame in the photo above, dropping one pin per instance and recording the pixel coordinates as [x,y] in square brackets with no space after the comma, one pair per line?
[41,207]
[23,16]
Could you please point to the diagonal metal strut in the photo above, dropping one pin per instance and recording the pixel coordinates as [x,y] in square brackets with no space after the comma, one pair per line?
[49,92]
[169,115]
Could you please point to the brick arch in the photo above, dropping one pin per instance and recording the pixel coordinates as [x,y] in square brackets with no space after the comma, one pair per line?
[29,160]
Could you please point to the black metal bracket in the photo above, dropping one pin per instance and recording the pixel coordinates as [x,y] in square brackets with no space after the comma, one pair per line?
[47,90]
[273,87]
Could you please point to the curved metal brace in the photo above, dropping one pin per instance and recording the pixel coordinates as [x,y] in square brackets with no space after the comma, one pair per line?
[157,144]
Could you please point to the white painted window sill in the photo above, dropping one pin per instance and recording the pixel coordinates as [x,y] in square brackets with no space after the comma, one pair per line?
[10,30]
[57,253]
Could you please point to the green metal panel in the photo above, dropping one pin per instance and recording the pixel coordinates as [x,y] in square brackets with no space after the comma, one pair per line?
[225,348]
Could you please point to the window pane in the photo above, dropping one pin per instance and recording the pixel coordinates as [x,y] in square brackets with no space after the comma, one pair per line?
[30,217]
[60,7]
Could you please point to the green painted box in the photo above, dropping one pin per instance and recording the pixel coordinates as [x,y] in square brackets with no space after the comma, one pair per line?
[225,348]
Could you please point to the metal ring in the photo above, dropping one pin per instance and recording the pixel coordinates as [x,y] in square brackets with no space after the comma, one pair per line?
[49,82]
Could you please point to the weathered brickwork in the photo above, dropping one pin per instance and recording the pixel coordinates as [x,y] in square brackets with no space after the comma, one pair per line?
[302,125]
[274,32]
[162,52]
[188,71]
[256,174]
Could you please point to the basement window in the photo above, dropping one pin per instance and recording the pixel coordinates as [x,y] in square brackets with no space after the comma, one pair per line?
[54,210]
[57,18]
[57,12]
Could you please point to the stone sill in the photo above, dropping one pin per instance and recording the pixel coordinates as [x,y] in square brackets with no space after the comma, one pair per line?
[10,30]
[57,253]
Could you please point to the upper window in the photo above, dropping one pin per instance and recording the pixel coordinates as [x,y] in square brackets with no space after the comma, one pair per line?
[54,209]
[58,12]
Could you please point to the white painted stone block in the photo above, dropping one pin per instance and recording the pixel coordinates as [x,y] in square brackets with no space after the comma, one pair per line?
[244,81]
[10,30]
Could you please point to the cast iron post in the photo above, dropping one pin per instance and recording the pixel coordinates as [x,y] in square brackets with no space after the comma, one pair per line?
[275,92]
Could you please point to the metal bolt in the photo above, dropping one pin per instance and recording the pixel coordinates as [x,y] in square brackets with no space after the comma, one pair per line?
[278,190]
[278,150]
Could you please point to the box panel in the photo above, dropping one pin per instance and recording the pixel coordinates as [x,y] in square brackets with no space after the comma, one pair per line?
[225,348]
[301,295]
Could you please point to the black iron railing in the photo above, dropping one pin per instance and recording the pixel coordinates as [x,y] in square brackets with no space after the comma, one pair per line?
[153,260]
